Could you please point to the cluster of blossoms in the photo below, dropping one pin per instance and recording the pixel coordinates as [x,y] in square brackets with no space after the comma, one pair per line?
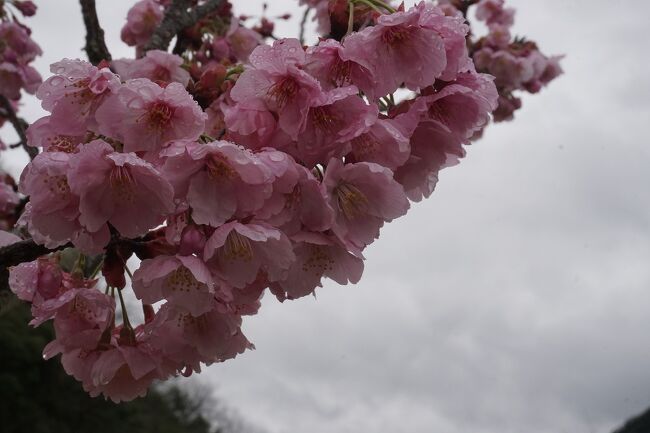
[516,63]
[17,52]
[232,169]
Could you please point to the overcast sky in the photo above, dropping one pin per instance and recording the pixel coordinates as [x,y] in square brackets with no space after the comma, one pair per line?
[516,299]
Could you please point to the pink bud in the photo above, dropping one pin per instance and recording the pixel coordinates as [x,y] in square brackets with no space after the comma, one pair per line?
[192,241]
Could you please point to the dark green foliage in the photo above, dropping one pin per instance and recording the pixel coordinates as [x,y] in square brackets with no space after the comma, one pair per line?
[640,424]
[37,396]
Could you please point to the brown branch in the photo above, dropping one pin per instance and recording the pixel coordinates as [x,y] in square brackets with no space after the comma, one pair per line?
[303,25]
[19,125]
[179,16]
[95,45]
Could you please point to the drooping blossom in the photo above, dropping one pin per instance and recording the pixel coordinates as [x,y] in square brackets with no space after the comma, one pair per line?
[394,48]
[74,94]
[52,214]
[237,252]
[184,281]
[141,21]
[146,117]
[156,65]
[336,118]
[118,188]
[43,133]
[335,65]
[276,77]
[17,51]
[318,256]
[364,197]
[297,200]
[219,180]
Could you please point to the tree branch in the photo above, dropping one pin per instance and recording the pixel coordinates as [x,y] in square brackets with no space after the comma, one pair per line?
[179,16]
[95,45]
[19,125]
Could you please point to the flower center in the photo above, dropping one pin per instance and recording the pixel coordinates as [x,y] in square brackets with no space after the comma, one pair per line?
[122,184]
[352,202]
[237,247]
[341,72]
[160,73]
[159,115]
[219,168]
[57,185]
[61,143]
[181,280]
[319,261]
[324,119]
[283,91]
[396,35]
[364,145]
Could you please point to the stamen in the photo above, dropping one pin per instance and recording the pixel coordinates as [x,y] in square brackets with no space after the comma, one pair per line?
[284,91]
[319,261]
[324,119]
[237,247]
[123,184]
[396,35]
[158,116]
[352,202]
[181,280]
[219,168]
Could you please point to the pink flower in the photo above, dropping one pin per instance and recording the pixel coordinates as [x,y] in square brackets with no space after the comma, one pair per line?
[334,65]
[364,196]
[238,252]
[74,93]
[53,209]
[124,372]
[252,125]
[8,198]
[26,7]
[184,281]
[215,336]
[118,188]
[141,21]
[156,65]
[81,318]
[36,281]
[17,47]
[402,49]
[146,117]
[220,180]
[276,77]
[297,200]
[337,117]
[318,256]
[384,143]
[43,133]
[453,30]
[493,13]
[17,50]
[240,42]
[445,120]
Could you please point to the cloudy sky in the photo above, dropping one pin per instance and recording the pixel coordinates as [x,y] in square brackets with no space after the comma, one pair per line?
[516,299]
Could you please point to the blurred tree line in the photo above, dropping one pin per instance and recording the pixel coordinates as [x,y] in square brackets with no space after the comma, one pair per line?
[38,397]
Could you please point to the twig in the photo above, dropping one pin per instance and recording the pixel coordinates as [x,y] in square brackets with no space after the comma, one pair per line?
[179,16]
[95,45]
[19,125]
[303,24]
